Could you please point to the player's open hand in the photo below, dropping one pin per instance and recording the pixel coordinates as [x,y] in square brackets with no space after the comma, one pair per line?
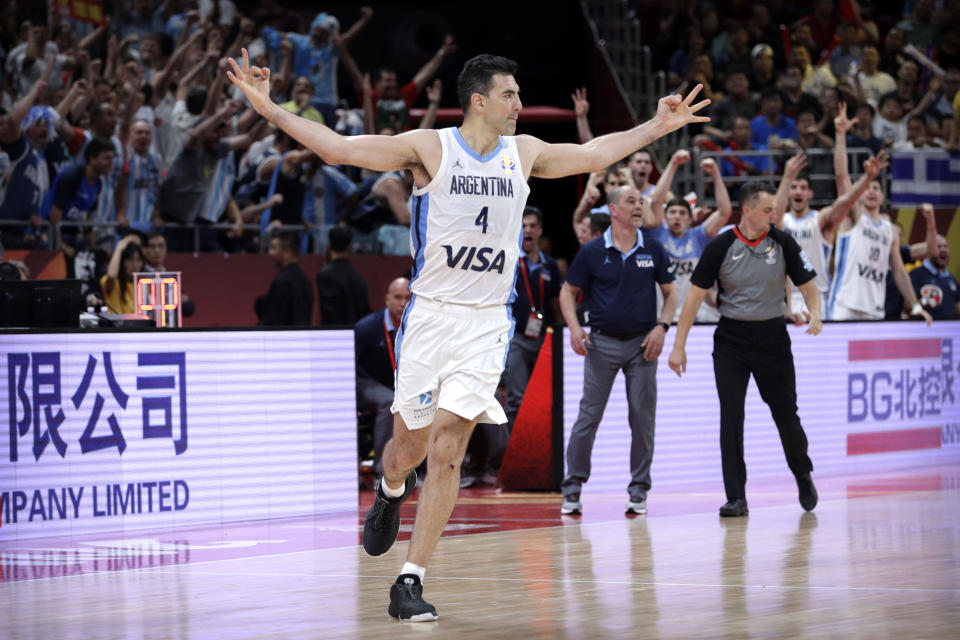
[253,81]
[674,112]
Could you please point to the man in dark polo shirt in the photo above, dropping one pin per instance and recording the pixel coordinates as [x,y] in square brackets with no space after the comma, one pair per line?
[374,337]
[620,271]
[750,264]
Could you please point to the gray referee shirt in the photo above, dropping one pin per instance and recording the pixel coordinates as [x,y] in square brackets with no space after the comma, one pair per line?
[751,276]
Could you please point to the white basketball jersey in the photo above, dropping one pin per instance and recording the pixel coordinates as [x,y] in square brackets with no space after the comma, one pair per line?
[806,231]
[466,224]
[862,260]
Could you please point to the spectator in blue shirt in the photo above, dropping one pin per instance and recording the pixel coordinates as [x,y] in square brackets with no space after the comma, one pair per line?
[936,287]
[742,140]
[771,120]
[316,56]
[620,272]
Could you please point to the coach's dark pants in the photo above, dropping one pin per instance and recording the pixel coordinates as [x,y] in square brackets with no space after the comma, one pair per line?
[762,349]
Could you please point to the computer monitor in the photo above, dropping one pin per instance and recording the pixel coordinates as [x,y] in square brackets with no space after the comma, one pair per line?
[40,303]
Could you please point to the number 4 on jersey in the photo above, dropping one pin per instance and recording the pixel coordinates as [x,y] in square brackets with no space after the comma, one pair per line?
[482,219]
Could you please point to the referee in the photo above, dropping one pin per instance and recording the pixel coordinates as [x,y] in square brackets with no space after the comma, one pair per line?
[750,263]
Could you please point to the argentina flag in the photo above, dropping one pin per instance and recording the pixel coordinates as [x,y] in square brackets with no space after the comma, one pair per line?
[928,175]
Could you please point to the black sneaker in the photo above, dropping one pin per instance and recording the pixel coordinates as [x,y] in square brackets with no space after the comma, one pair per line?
[808,492]
[406,600]
[734,508]
[382,526]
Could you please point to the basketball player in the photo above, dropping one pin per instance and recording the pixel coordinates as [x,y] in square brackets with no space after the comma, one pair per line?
[470,192]
[865,250]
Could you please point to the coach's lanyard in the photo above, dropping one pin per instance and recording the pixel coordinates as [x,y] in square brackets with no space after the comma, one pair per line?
[386,334]
[526,282]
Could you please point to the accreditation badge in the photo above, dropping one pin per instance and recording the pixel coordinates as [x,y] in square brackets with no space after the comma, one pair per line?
[534,324]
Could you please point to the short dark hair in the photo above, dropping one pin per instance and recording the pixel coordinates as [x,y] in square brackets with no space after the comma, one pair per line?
[599,222]
[530,210]
[769,92]
[679,202]
[477,74]
[377,73]
[804,175]
[289,241]
[196,99]
[340,239]
[750,191]
[95,147]
[156,234]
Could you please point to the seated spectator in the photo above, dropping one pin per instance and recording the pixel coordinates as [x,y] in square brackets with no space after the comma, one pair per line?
[737,55]
[771,120]
[908,83]
[889,124]
[737,103]
[289,301]
[822,23]
[761,64]
[845,57]
[891,54]
[117,283]
[919,29]
[935,286]
[341,290]
[916,136]
[375,337]
[701,72]
[682,59]
[795,99]
[942,104]
[815,78]
[154,255]
[873,82]
[742,140]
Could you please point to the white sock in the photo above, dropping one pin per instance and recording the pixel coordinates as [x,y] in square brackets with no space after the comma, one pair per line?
[409,567]
[392,493]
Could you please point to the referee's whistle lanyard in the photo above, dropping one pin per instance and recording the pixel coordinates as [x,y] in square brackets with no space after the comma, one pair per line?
[386,334]
[526,283]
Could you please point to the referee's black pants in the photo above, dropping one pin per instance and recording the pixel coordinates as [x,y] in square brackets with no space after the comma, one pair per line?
[762,349]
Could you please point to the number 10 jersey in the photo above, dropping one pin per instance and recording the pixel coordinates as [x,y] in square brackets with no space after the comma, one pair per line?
[466,224]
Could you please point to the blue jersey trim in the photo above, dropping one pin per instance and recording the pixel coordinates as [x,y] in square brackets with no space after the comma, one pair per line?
[476,156]
[418,231]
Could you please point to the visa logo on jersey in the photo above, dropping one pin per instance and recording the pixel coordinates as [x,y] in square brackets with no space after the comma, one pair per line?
[475,259]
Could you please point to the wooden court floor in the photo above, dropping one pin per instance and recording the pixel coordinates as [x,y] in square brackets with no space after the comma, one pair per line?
[878,558]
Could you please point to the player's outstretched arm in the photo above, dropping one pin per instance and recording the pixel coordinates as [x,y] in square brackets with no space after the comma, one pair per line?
[380,153]
[558,160]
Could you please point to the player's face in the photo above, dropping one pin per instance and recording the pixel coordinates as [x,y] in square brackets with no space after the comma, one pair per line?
[873,198]
[531,233]
[678,219]
[502,103]
[800,194]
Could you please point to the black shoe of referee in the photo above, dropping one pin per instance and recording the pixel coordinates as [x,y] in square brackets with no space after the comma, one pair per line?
[808,492]
[382,526]
[406,600]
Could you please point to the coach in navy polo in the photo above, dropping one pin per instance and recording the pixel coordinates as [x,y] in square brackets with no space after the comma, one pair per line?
[620,272]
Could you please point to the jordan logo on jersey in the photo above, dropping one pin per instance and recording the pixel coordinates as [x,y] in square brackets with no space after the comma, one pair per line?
[475,259]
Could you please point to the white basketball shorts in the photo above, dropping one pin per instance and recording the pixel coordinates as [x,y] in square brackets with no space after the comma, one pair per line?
[451,356]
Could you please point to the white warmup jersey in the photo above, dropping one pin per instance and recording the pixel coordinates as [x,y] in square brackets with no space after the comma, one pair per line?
[466,225]
[862,261]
